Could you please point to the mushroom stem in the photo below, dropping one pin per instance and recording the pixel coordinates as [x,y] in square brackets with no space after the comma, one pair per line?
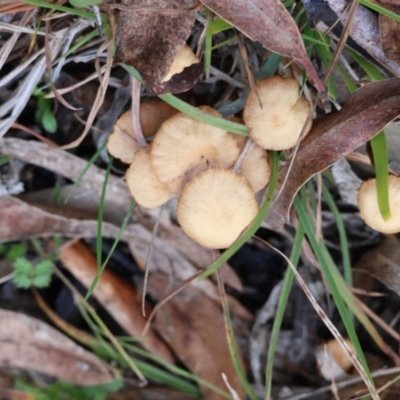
[137,127]
[246,150]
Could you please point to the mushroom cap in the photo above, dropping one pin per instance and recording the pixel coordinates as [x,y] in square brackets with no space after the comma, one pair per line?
[121,143]
[183,147]
[255,166]
[278,124]
[183,59]
[144,184]
[215,207]
[369,209]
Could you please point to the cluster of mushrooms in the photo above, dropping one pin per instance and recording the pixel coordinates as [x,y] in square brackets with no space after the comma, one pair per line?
[214,173]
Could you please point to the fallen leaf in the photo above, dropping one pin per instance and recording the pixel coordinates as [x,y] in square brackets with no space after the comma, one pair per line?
[390,33]
[193,325]
[115,295]
[334,136]
[28,343]
[383,263]
[20,220]
[150,34]
[268,22]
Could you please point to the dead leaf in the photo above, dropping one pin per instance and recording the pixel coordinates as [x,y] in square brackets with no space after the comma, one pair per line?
[115,295]
[331,138]
[390,34]
[20,220]
[268,22]
[150,34]
[193,325]
[383,263]
[31,344]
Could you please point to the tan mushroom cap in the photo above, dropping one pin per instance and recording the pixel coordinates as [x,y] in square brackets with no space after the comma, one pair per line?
[184,59]
[255,166]
[278,124]
[183,147]
[144,184]
[121,143]
[369,209]
[215,207]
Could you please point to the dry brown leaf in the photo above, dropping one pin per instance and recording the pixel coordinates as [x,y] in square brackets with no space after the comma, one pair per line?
[390,33]
[28,343]
[150,35]
[268,22]
[21,220]
[194,327]
[332,137]
[383,263]
[115,295]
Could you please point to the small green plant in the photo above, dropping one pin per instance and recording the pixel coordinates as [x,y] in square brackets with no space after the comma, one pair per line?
[27,274]
[44,115]
[67,391]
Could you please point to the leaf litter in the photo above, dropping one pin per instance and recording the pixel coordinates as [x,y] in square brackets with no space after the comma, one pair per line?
[149,36]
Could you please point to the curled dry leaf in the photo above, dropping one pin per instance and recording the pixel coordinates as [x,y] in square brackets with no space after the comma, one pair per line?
[149,37]
[115,295]
[332,137]
[28,343]
[194,327]
[268,22]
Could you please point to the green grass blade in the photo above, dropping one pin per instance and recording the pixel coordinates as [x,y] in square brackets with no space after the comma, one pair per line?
[219,25]
[335,282]
[370,69]
[380,9]
[113,247]
[280,311]
[381,163]
[87,166]
[344,244]
[68,10]
[256,223]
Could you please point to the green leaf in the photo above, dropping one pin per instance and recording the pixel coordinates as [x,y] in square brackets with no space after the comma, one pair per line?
[22,266]
[41,281]
[44,267]
[84,3]
[16,251]
[22,281]
[49,121]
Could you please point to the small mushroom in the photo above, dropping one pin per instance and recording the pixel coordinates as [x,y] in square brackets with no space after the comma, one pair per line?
[143,183]
[278,123]
[185,58]
[255,164]
[183,147]
[122,143]
[333,362]
[215,207]
[369,209]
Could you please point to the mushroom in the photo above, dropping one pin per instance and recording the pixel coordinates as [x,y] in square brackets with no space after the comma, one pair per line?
[215,207]
[183,147]
[184,58]
[278,123]
[369,209]
[122,144]
[332,360]
[143,183]
[254,165]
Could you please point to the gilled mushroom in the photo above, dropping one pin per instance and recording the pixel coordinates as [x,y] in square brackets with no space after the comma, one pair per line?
[255,164]
[122,144]
[369,209]
[278,124]
[183,147]
[144,184]
[184,59]
[215,207]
